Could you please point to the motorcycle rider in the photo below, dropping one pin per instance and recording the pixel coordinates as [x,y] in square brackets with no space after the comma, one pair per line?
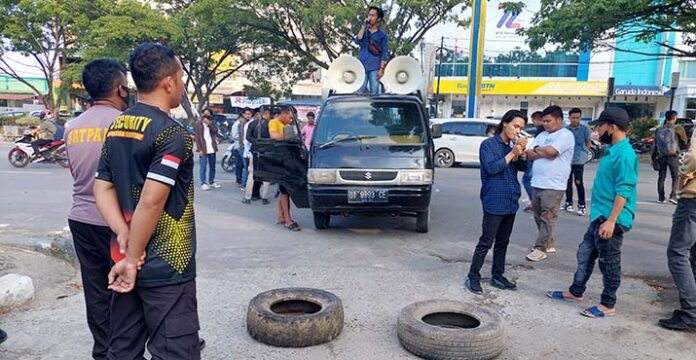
[46,133]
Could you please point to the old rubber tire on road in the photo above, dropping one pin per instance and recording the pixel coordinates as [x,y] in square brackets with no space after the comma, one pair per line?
[449,330]
[295,317]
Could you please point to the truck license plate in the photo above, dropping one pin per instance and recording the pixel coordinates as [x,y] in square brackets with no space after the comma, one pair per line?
[367,196]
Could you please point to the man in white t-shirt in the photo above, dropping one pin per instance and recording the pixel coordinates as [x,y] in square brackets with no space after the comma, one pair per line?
[553,153]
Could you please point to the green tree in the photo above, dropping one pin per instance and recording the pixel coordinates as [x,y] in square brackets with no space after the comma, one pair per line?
[214,45]
[113,35]
[45,31]
[322,30]
[578,25]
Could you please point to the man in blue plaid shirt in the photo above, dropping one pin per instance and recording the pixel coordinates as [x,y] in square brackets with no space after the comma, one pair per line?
[501,157]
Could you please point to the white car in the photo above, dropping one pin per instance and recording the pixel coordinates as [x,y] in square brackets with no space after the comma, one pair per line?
[462,138]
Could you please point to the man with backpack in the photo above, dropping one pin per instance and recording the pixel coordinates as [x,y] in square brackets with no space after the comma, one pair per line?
[669,139]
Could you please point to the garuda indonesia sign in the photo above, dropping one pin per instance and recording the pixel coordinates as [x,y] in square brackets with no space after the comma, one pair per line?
[636,90]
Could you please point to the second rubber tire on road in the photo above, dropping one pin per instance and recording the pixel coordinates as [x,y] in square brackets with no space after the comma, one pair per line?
[449,330]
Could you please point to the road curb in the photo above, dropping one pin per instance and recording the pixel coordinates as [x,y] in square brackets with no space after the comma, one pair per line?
[61,247]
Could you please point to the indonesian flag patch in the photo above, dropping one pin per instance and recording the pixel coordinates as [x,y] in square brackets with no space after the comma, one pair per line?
[171,161]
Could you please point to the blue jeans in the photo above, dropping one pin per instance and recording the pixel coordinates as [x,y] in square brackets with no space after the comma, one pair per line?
[371,79]
[527,179]
[681,257]
[239,165]
[207,161]
[609,254]
[245,172]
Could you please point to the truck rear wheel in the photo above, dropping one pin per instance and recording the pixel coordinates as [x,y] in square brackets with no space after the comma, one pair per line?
[422,221]
[322,220]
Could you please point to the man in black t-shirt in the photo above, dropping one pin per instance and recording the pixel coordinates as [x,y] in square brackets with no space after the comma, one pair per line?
[144,190]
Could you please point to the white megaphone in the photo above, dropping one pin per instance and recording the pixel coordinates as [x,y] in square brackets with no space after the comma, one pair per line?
[403,75]
[346,75]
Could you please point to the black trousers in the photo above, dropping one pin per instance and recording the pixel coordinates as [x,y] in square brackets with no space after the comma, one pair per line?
[496,229]
[38,143]
[92,248]
[576,175]
[165,317]
[670,163]
[256,190]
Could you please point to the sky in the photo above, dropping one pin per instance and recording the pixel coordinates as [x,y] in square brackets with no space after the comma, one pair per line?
[498,39]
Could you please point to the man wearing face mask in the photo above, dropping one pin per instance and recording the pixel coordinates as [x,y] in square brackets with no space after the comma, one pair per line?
[106,83]
[612,212]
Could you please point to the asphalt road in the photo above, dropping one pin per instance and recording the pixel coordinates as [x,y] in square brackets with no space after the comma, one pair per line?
[377,266]
[37,198]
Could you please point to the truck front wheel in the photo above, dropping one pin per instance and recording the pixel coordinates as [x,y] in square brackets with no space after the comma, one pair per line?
[422,221]
[321,220]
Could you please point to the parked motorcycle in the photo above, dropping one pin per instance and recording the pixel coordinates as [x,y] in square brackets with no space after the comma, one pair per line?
[641,146]
[596,151]
[229,159]
[22,153]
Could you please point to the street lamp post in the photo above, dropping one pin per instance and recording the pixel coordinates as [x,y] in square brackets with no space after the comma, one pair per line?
[673,85]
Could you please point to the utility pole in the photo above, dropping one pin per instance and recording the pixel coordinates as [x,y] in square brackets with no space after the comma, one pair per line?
[439,74]
[478,31]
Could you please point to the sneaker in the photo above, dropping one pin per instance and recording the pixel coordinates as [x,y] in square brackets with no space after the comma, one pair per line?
[676,323]
[205,187]
[242,187]
[663,201]
[581,211]
[474,286]
[265,201]
[246,201]
[673,200]
[536,255]
[502,283]
[215,185]
[567,207]
[550,250]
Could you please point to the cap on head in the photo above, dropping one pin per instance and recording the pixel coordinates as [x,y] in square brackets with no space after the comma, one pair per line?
[616,116]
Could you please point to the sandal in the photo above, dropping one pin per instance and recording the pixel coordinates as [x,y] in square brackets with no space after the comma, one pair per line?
[558,295]
[293,226]
[596,312]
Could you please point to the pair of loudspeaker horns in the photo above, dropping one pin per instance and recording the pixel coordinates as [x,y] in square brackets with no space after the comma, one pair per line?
[346,75]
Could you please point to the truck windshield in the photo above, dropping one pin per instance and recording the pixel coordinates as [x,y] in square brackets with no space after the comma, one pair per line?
[379,122]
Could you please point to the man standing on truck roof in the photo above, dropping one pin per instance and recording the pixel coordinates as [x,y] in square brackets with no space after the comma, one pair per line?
[374,49]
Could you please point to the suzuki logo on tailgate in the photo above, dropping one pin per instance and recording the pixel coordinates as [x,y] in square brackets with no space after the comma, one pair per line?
[368,175]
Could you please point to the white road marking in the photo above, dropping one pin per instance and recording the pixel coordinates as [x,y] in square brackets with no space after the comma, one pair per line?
[26,172]
[651,203]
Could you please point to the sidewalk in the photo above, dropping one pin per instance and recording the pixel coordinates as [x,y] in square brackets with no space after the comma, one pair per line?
[536,327]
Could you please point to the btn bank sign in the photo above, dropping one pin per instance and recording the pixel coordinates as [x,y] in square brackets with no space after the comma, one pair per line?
[522,87]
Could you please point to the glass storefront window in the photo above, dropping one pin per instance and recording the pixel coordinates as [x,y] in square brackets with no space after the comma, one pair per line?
[691,108]
[687,69]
